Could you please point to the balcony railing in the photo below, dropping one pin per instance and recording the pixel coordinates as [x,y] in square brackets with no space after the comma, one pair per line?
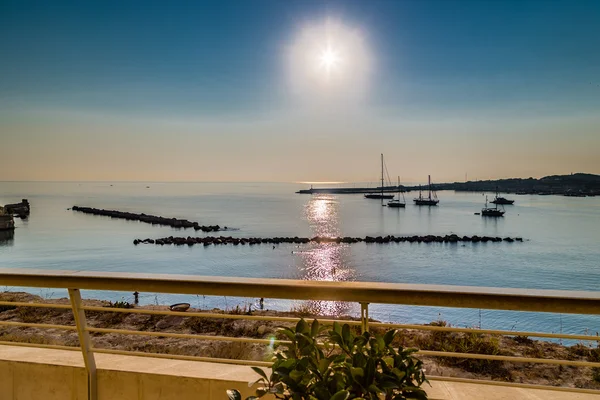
[364,293]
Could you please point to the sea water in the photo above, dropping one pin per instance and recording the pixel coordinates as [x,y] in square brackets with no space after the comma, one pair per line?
[561,248]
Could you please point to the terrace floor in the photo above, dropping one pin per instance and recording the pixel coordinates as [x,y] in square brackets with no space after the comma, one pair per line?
[33,373]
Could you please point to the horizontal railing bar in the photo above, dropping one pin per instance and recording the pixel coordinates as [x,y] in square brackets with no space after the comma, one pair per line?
[182,357]
[40,305]
[188,336]
[556,301]
[486,331]
[423,352]
[508,358]
[36,325]
[322,320]
[44,346]
[268,364]
[512,384]
[212,315]
[349,322]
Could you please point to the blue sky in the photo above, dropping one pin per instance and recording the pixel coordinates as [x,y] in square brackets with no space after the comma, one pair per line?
[497,77]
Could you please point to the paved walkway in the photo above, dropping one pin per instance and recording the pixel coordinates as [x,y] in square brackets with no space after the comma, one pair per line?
[460,391]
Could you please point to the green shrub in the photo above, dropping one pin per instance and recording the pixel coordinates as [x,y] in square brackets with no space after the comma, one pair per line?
[345,366]
[120,304]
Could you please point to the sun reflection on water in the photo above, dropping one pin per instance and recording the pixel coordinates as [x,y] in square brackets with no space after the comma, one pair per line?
[324,261]
[321,212]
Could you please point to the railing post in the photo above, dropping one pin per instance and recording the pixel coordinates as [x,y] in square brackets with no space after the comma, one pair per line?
[364,317]
[84,342]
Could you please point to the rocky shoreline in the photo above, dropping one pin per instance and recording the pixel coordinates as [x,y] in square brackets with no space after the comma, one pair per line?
[224,240]
[149,219]
[20,210]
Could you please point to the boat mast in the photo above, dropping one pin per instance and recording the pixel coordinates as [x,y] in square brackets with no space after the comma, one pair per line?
[429,181]
[382,176]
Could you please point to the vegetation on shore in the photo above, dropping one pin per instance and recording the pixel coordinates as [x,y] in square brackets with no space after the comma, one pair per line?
[546,374]
[570,185]
[578,185]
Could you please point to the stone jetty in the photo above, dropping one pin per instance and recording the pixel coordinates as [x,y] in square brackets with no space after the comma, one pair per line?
[20,210]
[150,219]
[224,240]
[7,222]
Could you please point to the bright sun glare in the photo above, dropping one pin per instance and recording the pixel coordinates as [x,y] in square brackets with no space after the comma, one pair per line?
[329,59]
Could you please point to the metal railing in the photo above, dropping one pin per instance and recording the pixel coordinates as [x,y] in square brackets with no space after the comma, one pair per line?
[364,293]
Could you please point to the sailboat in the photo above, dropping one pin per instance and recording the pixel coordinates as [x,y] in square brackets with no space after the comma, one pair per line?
[501,200]
[379,195]
[429,200]
[491,212]
[397,203]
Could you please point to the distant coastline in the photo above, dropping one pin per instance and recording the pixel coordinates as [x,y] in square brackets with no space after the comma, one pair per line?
[576,185]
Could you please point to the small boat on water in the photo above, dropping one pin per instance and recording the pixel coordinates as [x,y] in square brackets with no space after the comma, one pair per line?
[430,200]
[491,212]
[501,200]
[379,196]
[396,203]
[181,307]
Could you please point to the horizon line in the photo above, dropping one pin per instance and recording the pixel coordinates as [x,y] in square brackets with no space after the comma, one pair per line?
[287,182]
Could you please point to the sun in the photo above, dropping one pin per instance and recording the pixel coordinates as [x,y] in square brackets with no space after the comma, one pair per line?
[329,59]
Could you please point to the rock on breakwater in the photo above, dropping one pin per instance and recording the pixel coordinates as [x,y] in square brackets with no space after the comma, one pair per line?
[150,219]
[223,240]
[20,210]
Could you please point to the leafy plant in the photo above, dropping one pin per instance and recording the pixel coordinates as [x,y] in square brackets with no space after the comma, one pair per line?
[340,365]
[120,304]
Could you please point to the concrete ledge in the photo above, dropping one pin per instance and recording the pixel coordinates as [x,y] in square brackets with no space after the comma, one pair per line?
[35,373]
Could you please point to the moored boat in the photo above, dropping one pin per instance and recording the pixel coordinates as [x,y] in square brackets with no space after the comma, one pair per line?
[179,307]
[430,200]
[380,196]
[491,212]
[396,203]
[501,200]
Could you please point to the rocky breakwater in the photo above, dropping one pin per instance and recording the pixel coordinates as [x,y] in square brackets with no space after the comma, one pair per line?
[150,219]
[20,210]
[7,222]
[224,240]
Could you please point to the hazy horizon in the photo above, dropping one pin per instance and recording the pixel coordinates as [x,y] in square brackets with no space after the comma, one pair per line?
[390,181]
[298,91]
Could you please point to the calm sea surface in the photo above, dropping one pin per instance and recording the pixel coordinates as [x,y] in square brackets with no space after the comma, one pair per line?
[561,248]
